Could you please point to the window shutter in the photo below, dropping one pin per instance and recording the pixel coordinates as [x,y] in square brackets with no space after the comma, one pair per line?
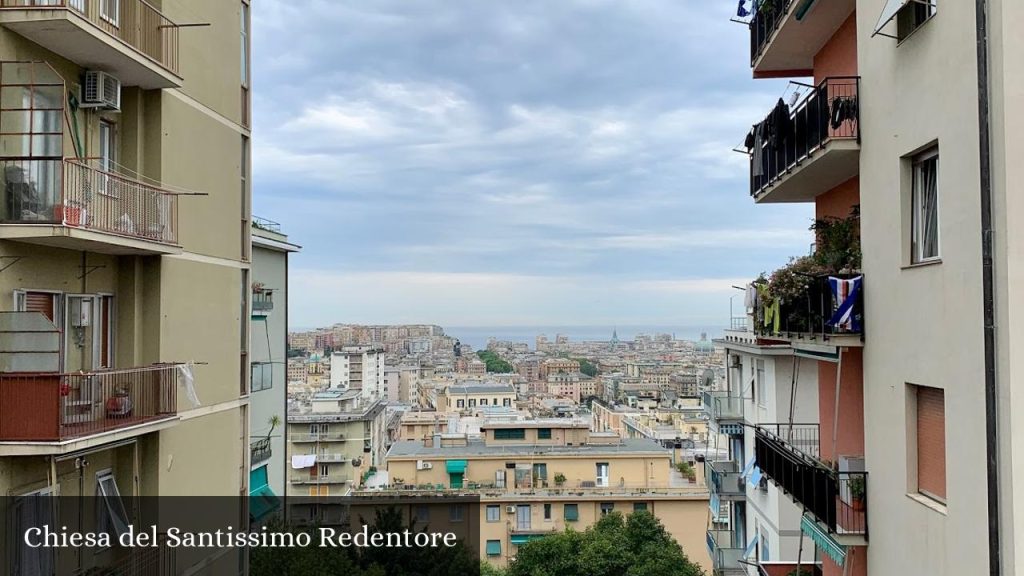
[39,302]
[931,442]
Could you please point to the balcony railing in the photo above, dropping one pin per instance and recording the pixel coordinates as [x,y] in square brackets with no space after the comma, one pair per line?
[838,500]
[550,488]
[74,194]
[136,23]
[259,451]
[829,112]
[763,25]
[42,407]
[720,405]
[725,556]
[327,479]
[724,478]
[813,312]
[803,438]
[262,302]
[316,437]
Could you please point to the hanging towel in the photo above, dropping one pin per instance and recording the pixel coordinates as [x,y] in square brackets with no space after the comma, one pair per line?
[187,380]
[750,548]
[845,293]
[300,461]
[755,477]
[758,154]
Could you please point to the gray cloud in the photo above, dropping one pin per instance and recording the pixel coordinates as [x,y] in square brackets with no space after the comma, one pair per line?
[565,143]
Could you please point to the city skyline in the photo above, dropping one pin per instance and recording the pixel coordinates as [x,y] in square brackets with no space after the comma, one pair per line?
[494,192]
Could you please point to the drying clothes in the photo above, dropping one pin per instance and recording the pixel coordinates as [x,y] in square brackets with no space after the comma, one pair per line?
[845,293]
[780,126]
[741,10]
[748,142]
[758,154]
[750,297]
[300,461]
[843,108]
[770,309]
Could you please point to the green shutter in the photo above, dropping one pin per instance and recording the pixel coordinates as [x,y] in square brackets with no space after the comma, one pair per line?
[571,513]
[639,506]
[544,433]
[494,547]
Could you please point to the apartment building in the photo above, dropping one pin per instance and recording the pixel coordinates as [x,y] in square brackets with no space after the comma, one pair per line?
[538,477]
[124,226]
[772,388]
[937,253]
[420,424]
[557,366]
[467,397]
[333,443]
[359,368]
[268,329]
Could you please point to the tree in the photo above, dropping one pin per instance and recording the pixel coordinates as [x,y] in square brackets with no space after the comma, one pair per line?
[587,367]
[634,546]
[494,362]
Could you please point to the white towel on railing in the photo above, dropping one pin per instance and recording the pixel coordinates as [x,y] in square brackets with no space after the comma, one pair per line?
[188,381]
[300,461]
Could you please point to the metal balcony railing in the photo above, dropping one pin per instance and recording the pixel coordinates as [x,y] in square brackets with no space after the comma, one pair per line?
[136,23]
[725,556]
[838,500]
[803,438]
[763,25]
[259,451]
[829,112]
[724,478]
[720,405]
[262,302]
[316,437]
[327,479]
[72,193]
[38,407]
[811,312]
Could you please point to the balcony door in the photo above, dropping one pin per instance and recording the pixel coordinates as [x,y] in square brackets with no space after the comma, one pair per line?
[88,332]
[602,474]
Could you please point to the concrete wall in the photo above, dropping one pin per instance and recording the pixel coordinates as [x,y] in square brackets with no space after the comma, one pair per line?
[924,322]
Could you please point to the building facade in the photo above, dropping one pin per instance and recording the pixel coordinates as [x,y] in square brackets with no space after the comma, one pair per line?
[359,368]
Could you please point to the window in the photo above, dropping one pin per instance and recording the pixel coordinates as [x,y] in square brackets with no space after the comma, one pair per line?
[108,154]
[571,512]
[244,203]
[456,512]
[607,508]
[110,11]
[913,16]
[32,511]
[547,512]
[499,478]
[244,27]
[460,403]
[88,332]
[931,441]
[483,401]
[493,513]
[506,401]
[540,471]
[759,383]
[422,513]
[472,402]
[31,130]
[494,547]
[544,434]
[765,556]
[510,434]
[46,303]
[924,224]
[523,516]
[602,473]
[639,506]
[262,376]
[324,470]
[112,518]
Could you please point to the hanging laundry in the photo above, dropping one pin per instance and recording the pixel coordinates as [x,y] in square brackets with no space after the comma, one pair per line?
[758,154]
[845,293]
[750,297]
[300,461]
[741,10]
[843,108]
[780,126]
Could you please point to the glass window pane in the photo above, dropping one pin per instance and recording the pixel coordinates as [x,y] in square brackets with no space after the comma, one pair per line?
[15,97]
[48,97]
[13,145]
[16,72]
[14,121]
[46,146]
[46,122]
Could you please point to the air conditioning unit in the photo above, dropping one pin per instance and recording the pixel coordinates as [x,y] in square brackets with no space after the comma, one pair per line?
[421,465]
[101,90]
[510,509]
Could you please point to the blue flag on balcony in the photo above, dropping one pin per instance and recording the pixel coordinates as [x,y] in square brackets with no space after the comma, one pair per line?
[755,477]
[845,293]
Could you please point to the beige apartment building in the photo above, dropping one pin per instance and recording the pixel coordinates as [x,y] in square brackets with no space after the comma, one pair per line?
[334,443]
[911,123]
[124,228]
[541,476]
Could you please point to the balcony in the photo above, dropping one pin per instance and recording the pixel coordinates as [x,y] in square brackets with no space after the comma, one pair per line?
[327,479]
[836,500]
[788,569]
[723,408]
[785,35]
[262,303]
[44,407]
[724,479]
[332,457]
[725,557]
[815,315]
[302,437]
[259,451]
[69,204]
[812,150]
[135,42]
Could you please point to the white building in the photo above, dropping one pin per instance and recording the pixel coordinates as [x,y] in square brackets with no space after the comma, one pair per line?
[359,368]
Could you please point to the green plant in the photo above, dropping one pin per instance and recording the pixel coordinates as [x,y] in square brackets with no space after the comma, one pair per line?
[858,488]
[803,572]
[686,469]
[274,421]
[838,247]
[559,479]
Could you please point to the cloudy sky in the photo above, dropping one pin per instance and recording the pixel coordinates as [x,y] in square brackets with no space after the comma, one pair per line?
[472,163]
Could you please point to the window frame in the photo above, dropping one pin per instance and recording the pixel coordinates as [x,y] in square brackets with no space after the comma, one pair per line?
[114,19]
[914,21]
[496,517]
[917,238]
[575,516]
[106,503]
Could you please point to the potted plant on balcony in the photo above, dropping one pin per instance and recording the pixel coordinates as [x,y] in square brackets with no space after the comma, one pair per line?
[559,479]
[858,489]
[687,470]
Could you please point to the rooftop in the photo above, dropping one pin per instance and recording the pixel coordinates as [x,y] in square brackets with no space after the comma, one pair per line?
[481,389]
[628,446]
